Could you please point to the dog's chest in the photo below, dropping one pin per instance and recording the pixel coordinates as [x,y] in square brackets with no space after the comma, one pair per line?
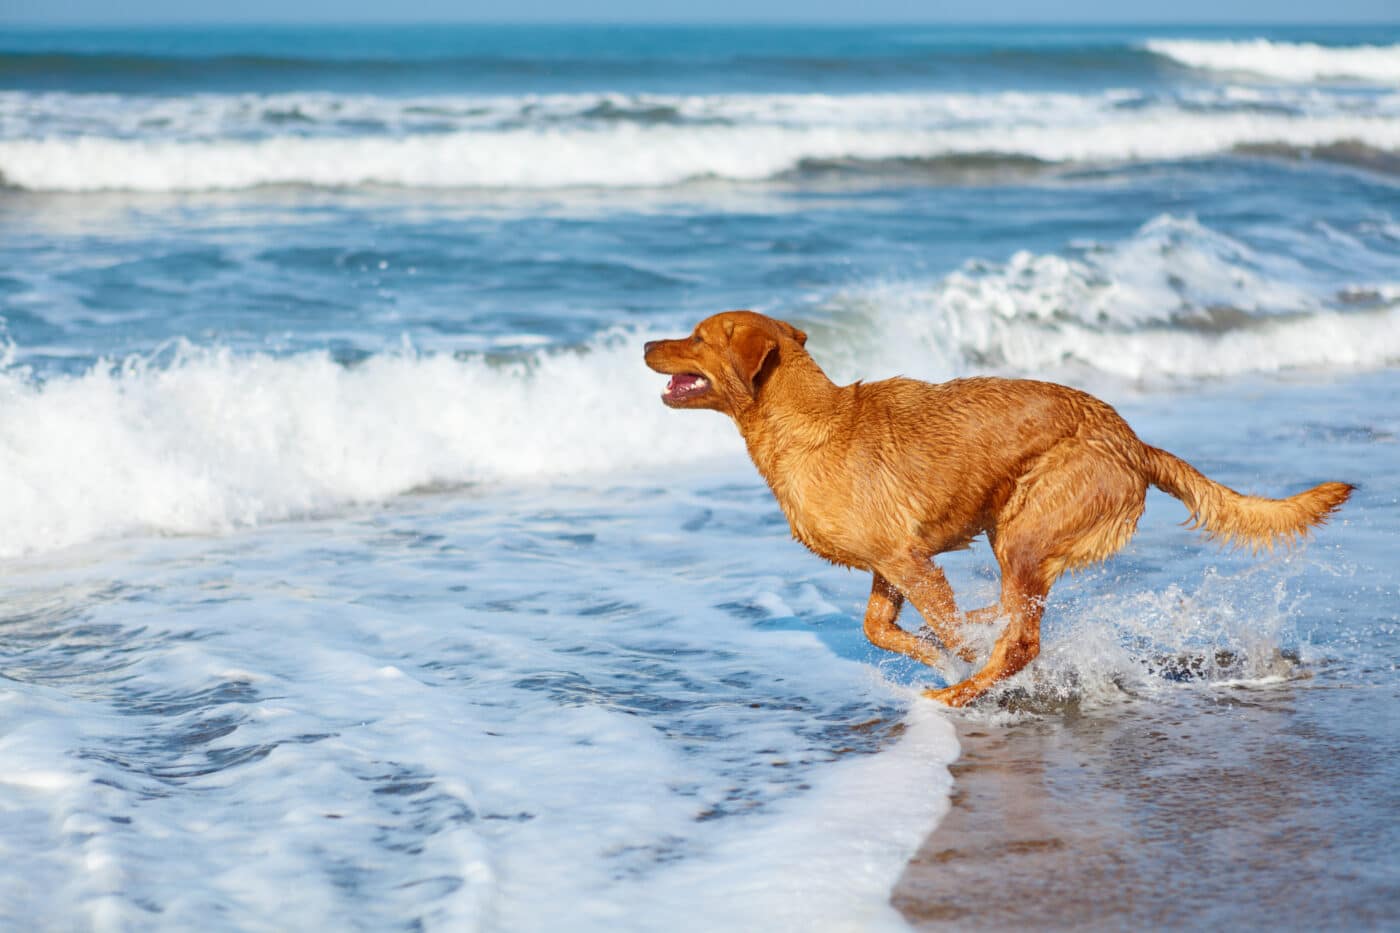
[822,509]
[824,541]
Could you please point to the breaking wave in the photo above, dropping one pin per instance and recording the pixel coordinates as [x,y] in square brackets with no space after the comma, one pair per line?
[627,156]
[203,439]
[1285,61]
[1175,301]
[80,143]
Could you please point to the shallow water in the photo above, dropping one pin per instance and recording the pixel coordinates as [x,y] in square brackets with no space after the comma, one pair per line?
[465,708]
[356,576]
[1246,807]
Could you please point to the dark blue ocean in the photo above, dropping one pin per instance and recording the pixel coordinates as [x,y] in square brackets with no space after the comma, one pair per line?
[356,577]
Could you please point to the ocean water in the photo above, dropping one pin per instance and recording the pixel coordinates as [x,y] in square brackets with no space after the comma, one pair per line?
[356,577]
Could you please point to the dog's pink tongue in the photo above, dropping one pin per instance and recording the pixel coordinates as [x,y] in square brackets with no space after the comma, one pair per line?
[681,384]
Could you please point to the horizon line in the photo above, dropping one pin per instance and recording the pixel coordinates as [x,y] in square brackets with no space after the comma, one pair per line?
[604,22]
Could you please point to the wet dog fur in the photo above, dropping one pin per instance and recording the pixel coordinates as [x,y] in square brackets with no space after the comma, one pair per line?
[884,476]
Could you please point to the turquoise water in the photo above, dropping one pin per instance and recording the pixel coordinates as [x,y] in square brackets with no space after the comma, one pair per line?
[689,59]
[356,574]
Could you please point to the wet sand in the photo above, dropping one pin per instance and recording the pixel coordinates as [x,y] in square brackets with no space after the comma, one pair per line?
[1228,809]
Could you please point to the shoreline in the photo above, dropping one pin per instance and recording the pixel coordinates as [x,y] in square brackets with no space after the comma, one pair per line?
[1238,808]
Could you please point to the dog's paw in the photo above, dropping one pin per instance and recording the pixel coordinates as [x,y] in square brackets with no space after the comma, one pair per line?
[956,695]
[950,643]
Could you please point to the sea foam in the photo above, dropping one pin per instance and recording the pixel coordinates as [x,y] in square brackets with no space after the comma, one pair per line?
[1286,61]
[215,440]
[464,713]
[614,154]
[1174,301]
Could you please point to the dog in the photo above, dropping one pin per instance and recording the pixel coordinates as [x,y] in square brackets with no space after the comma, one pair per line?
[884,476]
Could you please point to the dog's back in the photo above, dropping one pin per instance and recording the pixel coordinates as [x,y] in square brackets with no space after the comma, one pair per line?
[938,462]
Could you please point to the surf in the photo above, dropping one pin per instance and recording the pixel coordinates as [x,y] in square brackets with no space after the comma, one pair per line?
[1285,61]
[203,439]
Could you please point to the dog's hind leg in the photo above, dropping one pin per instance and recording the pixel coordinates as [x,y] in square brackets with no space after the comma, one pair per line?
[882,625]
[1023,592]
[986,614]
[1075,507]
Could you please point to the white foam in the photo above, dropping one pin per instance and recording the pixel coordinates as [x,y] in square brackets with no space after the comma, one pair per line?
[209,117]
[25,114]
[530,764]
[631,155]
[942,331]
[1286,61]
[1143,633]
[216,440]
[1142,309]
[829,860]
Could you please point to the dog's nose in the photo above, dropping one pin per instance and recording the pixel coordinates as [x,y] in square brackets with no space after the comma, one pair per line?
[650,344]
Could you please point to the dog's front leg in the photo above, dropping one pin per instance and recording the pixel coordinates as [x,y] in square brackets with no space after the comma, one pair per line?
[882,625]
[927,588]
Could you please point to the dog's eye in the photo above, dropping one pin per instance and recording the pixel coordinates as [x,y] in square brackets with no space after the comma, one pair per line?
[695,338]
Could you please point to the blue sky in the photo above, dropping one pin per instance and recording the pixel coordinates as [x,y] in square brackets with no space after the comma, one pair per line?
[999,11]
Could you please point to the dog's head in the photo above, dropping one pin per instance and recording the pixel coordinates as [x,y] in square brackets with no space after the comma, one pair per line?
[724,362]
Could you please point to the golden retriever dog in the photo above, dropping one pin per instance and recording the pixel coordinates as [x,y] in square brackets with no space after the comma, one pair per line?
[884,476]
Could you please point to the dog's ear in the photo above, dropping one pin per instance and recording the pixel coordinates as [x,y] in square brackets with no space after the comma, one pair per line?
[750,347]
[799,336]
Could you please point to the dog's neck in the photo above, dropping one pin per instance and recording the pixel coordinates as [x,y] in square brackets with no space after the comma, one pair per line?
[796,411]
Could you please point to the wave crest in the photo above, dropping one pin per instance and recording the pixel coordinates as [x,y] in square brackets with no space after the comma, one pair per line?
[211,440]
[1285,61]
[1174,301]
[631,156]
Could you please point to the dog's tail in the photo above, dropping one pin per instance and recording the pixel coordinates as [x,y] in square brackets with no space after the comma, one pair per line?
[1247,521]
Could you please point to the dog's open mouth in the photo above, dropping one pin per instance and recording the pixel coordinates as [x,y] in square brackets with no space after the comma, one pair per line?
[685,386]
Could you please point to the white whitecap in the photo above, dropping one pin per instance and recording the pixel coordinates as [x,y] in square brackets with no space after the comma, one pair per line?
[750,140]
[1285,61]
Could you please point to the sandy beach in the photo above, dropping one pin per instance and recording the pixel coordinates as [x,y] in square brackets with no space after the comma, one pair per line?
[1240,810]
